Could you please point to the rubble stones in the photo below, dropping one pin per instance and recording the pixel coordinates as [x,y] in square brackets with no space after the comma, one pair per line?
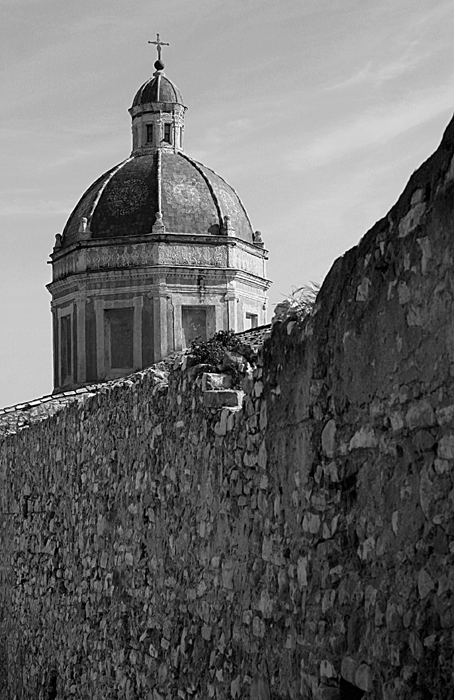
[168,536]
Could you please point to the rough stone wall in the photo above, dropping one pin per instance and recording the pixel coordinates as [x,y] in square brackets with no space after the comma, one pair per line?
[361,443]
[159,543]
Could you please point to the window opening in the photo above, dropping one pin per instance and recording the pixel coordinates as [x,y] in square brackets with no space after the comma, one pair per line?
[252,321]
[194,322]
[150,133]
[167,136]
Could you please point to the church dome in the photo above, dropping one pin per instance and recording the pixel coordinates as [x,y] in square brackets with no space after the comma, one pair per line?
[158,189]
[125,201]
[158,251]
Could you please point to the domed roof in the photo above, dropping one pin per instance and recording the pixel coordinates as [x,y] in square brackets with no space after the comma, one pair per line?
[125,200]
[158,89]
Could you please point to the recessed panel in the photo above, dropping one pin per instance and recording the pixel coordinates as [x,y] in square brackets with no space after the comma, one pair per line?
[194,324]
[120,338]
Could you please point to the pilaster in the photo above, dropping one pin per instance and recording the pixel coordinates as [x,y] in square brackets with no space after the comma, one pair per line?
[160,322]
[100,338]
[81,346]
[232,321]
[137,332]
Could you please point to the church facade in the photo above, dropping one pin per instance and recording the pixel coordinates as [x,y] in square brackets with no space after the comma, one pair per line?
[159,250]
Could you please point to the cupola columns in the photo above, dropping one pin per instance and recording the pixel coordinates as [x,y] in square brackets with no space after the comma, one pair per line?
[159,122]
[158,113]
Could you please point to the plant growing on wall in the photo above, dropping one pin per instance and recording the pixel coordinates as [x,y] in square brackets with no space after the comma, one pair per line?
[213,351]
[299,303]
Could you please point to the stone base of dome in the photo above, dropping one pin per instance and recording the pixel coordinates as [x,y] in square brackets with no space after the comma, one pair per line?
[119,308]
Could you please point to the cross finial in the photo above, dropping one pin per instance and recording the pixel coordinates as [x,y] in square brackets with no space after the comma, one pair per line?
[159,43]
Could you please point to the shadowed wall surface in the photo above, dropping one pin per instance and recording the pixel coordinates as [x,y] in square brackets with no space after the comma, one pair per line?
[167,536]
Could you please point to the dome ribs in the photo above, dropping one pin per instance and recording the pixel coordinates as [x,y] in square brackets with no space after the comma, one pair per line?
[192,199]
[197,167]
[83,206]
[158,88]
[229,204]
[159,180]
[103,187]
[188,205]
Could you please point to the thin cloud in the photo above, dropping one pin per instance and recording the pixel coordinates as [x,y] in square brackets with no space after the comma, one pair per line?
[224,134]
[17,2]
[11,191]
[37,208]
[434,14]
[376,126]
[381,74]
[111,146]
[93,23]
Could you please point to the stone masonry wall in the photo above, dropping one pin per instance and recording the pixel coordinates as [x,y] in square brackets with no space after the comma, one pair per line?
[168,537]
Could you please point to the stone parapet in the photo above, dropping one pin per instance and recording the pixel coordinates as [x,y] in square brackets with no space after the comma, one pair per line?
[173,250]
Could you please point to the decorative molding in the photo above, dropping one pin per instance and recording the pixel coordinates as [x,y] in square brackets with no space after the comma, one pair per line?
[120,256]
[64,267]
[202,256]
[127,196]
[158,226]
[138,260]
[257,239]
[243,260]
[227,228]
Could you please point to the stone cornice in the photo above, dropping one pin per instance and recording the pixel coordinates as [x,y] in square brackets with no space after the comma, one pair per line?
[167,237]
[157,108]
[162,251]
[138,275]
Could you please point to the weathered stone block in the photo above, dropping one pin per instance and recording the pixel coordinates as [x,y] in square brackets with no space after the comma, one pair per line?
[412,219]
[446,447]
[362,291]
[311,523]
[363,438]
[223,397]
[260,688]
[364,678]
[327,669]
[348,669]
[420,415]
[212,381]
[445,415]
[425,583]
[328,438]
[327,693]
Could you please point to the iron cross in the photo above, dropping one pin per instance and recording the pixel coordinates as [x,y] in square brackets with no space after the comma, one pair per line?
[158,45]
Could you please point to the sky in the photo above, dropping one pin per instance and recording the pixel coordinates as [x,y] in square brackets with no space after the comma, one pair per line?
[315,111]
